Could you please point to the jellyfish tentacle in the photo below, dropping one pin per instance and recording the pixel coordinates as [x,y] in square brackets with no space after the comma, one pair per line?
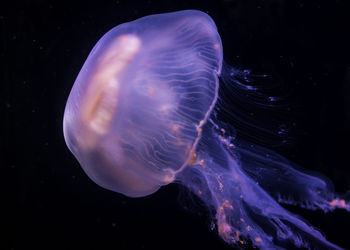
[281,179]
[244,211]
[287,226]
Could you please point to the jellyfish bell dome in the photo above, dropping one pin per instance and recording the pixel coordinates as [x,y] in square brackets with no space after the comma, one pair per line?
[135,113]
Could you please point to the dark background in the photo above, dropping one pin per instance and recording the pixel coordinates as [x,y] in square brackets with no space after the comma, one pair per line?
[49,203]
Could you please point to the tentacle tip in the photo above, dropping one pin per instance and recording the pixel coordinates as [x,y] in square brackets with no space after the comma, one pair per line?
[339,203]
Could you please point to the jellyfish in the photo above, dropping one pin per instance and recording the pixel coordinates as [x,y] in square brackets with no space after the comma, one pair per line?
[141,114]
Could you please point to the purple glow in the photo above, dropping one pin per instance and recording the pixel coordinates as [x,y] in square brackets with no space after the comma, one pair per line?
[141,115]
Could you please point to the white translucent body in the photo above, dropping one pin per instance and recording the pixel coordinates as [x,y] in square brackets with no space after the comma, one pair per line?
[134,115]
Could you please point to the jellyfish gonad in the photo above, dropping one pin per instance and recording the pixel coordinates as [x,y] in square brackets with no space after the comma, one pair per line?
[141,115]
